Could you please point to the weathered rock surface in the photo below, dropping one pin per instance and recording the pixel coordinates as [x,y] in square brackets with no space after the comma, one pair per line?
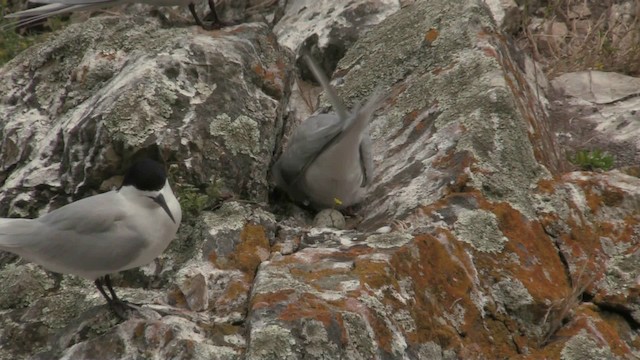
[598,110]
[473,242]
[332,26]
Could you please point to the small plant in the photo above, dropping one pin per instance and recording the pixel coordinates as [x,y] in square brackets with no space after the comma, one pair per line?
[589,160]
[193,199]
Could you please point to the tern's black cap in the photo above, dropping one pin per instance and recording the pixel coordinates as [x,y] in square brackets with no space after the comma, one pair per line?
[145,174]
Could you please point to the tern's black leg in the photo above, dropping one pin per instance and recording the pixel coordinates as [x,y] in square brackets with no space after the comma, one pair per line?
[213,14]
[107,281]
[98,283]
[212,18]
[118,306]
[192,8]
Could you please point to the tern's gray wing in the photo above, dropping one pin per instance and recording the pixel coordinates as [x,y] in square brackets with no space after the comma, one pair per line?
[307,141]
[91,234]
[44,11]
[36,14]
[55,7]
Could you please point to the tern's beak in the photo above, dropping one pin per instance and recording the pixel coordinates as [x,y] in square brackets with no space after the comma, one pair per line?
[161,201]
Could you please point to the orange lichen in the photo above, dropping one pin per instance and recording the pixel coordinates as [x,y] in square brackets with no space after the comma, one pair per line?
[234,291]
[309,306]
[439,70]
[587,317]
[430,266]
[599,194]
[176,298]
[431,35]
[213,257]
[265,300]
[410,117]
[491,52]
[138,331]
[454,159]
[612,197]
[249,253]
[546,186]
[537,253]
[375,274]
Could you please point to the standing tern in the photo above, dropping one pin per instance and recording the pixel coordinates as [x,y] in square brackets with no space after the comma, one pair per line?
[102,234]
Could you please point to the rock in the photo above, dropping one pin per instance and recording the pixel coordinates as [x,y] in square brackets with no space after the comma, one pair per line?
[151,94]
[599,109]
[335,26]
[579,11]
[475,242]
[597,87]
[506,13]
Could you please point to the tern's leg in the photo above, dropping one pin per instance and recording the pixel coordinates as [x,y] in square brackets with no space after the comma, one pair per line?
[118,306]
[214,14]
[192,8]
[98,284]
[213,17]
[107,281]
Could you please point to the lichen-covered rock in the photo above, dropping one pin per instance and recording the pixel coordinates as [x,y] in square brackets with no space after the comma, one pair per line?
[472,269]
[472,244]
[75,109]
[334,26]
[596,110]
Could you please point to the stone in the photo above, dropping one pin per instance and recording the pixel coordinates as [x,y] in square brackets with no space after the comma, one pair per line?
[476,241]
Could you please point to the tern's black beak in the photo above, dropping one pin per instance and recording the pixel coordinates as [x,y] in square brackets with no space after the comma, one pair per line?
[160,201]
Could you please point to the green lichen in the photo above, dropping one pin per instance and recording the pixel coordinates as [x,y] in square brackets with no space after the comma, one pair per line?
[241,135]
[480,229]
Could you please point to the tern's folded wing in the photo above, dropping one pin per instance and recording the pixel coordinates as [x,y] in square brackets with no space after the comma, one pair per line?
[92,232]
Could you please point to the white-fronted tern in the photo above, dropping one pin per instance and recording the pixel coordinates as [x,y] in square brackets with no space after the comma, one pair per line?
[328,161]
[93,237]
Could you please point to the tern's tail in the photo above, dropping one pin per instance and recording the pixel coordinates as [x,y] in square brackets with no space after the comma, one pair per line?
[14,232]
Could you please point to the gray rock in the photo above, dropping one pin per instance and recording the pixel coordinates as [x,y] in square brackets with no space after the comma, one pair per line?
[464,132]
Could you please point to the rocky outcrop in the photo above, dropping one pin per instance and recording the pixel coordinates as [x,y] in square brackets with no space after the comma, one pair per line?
[596,110]
[474,241]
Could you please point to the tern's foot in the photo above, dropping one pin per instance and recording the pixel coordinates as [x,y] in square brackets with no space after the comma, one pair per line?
[215,25]
[122,309]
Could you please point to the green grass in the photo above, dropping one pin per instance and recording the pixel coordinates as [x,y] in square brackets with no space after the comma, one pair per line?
[589,160]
